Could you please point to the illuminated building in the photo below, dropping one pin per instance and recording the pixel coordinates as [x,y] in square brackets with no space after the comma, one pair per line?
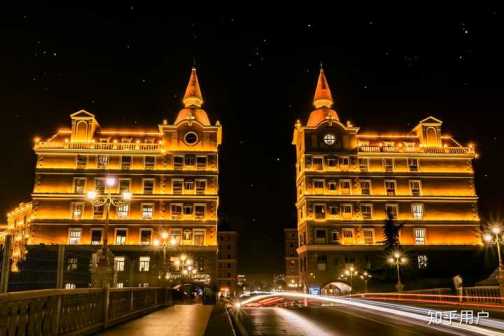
[348,180]
[171,172]
[291,258]
[227,261]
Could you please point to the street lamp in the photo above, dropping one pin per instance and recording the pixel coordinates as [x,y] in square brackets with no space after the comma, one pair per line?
[103,270]
[365,276]
[495,237]
[398,259]
[350,272]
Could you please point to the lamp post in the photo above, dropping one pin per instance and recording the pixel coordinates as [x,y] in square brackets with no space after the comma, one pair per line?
[495,236]
[164,244]
[365,276]
[397,259]
[350,272]
[103,267]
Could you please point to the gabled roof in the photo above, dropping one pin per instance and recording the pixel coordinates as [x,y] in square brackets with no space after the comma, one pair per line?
[430,120]
[82,114]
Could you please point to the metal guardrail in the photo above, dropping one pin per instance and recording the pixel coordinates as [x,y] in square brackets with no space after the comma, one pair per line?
[75,311]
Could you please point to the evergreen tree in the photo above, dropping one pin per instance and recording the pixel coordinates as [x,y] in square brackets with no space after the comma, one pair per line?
[391,233]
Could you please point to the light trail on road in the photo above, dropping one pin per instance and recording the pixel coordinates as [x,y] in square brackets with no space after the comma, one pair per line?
[410,312]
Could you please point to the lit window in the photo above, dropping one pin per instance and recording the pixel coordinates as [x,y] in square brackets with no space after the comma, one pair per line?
[366,211]
[413,165]
[100,185]
[81,161]
[331,162]
[200,187]
[79,185]
[318,163]
[125,162]
[333,210]
[149,162]
[368,236]
[69,285]
[177,186]
[176,210]
[176,234]
[201,162]
[74,236]
[364,165]
[318,185]
[345,187]
[388,165]
[119,263]
[415,188]
[199,211]
[124,185]
[391,210]
[188,234]
[420,236]
[77,210]
[71,264]
[98,211]
[102,161]
[190,160]
[148,186]
[120,285]
[390,187]
[346,210]
[145,236]
[199,237]
[96,236]
[143,264]
[423,261]
[121,235]
[417,210]
[365,187]
[123,210]
[147,211]
[178,162]
[332,185]
[188,185]
[319,211]
[348,236]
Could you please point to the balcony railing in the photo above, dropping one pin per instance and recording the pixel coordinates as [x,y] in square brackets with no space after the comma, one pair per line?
[434,150]
[151,147]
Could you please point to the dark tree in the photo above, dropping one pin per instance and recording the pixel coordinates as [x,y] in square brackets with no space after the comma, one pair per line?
[391,233]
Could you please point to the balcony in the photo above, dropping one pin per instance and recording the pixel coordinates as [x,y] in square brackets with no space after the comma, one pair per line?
[433,150]
[147,147]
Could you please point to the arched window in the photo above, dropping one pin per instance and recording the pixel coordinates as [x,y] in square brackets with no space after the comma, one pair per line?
[431,136]
[81,130]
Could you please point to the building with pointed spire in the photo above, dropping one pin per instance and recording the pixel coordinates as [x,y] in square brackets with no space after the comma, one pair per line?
[349,181]
[169,174]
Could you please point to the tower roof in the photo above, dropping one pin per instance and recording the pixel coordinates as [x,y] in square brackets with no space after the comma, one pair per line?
[323,101]
[193,96]
[193,100]
[323,96]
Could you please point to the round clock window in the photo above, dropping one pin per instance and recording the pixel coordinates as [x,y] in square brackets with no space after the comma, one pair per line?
[329,139]
[191,138]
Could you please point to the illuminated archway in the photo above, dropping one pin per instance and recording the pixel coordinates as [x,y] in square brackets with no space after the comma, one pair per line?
[336,288]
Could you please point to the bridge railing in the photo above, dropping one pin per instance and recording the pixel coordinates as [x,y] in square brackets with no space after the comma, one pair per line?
[75,311]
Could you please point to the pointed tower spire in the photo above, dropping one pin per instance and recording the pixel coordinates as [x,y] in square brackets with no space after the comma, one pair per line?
[193,96]
[323,96]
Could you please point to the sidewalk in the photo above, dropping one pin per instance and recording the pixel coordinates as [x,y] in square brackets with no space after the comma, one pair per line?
[178,320]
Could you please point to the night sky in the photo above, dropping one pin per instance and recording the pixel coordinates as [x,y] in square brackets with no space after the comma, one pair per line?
[129,63]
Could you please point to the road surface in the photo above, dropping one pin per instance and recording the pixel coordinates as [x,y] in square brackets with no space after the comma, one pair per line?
[336,320]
